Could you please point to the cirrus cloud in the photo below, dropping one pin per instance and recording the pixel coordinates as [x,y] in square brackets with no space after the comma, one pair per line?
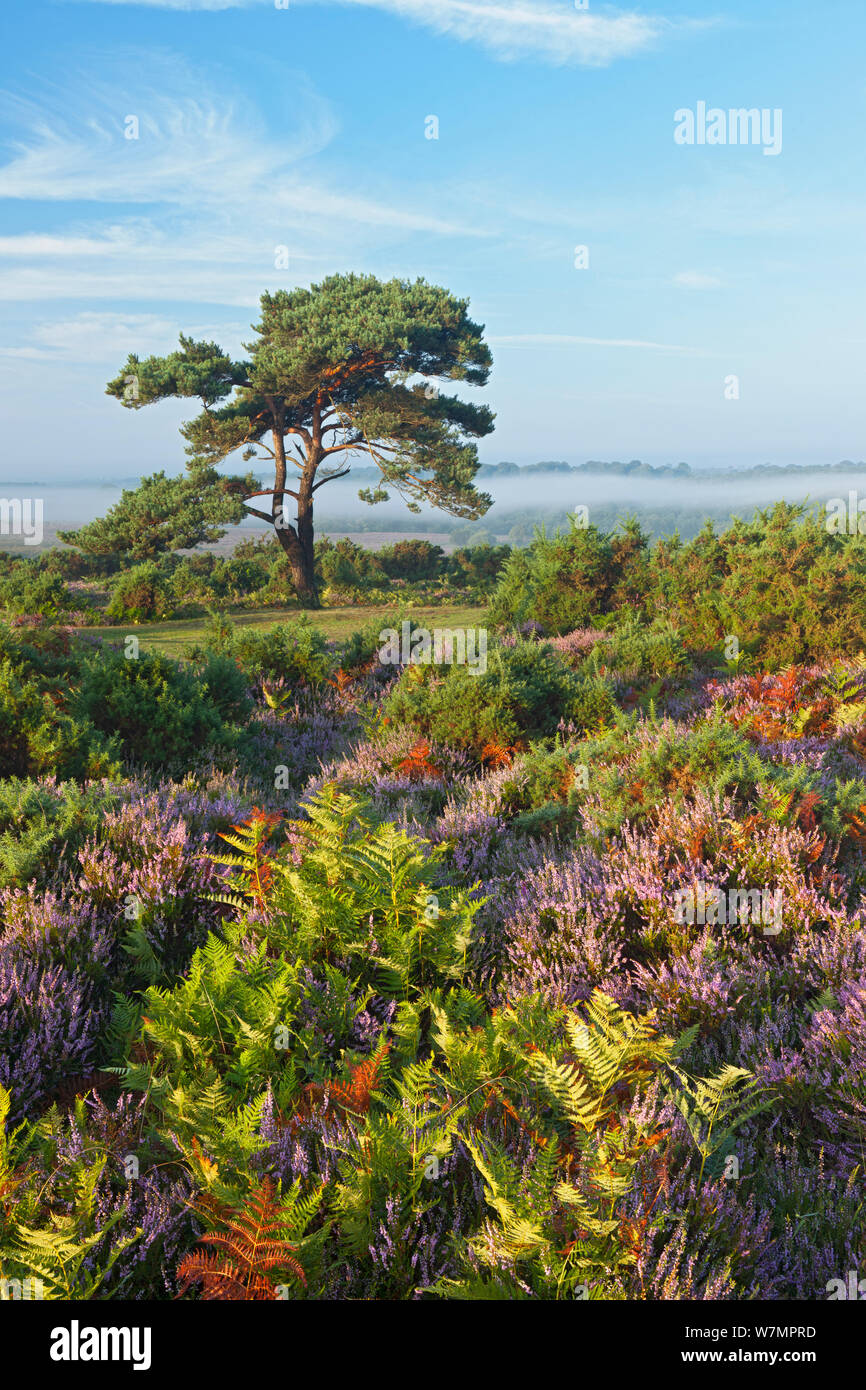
[554,31]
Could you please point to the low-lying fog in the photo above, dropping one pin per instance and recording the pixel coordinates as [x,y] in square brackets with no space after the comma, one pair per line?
[519,501]
[555,492]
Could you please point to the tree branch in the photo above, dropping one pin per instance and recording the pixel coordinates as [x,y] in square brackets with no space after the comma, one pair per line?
[270,491]
[347,444]
[330,478]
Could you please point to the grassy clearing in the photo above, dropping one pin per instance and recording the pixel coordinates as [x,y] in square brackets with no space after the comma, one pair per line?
[176,636]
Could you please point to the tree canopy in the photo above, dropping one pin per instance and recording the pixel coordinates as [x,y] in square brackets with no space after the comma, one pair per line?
[345,367]
[164,514]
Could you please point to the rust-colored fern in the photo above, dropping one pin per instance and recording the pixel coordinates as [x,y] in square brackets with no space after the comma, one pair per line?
[806,811]
[495,754]
[255,867]
[246,1253]
[356,1093]
[417,764]
[341,681]
[695,841]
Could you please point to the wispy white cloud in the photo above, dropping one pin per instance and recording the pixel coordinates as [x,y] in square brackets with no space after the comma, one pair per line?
[554,31]
[199,147]
[97,337]
[193,142]
[106,337]
[572,340]
[696,280]
[211,195]
[114,241]
[27,354]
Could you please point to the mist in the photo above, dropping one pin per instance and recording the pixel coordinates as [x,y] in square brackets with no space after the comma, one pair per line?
[689,500]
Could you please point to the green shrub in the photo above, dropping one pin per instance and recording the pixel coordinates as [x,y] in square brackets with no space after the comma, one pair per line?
[364,644]
[223,682]
[27,590]
[296,652]
[142,594]
[413,559]
[563,582]
[639,649]
[789,589]
[524,693]
[210,578]
[20,710]
[479,566]
[344,565]
[39,733]
[151,709]
[75,564]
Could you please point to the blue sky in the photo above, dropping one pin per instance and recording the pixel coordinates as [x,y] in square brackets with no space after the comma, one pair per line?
[304,127]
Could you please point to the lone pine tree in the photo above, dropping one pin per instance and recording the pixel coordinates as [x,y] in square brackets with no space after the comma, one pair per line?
[334,372]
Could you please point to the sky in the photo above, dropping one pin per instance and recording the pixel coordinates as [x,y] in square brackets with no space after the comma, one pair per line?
[715,317]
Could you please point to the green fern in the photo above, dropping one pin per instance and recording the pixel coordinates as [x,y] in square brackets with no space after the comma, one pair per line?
[714,1108]
[38,1243]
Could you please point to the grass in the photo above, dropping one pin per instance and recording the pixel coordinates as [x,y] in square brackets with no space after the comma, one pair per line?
[174,637]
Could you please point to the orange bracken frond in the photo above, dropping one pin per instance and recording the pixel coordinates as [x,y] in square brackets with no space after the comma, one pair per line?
[254,864]
[220,1281]
[356,1093]
[496,754]
[806,810]
[353,1095]
[246,1252]
[341,681]
[259,816]
[417,764]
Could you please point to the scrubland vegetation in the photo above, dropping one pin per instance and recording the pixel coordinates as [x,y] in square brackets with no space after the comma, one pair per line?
[323,978]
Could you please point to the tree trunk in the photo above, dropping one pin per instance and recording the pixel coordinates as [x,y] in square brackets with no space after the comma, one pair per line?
[297,543]
[300,560]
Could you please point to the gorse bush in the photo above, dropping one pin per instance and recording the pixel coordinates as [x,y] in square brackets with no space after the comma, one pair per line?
[561,582]
[42,732]
[141,594]
[413,559]
[782,584]
[208,578]
[29,590]
[639,649]
[525,692]
[295,653]
[107,708]
[153,710]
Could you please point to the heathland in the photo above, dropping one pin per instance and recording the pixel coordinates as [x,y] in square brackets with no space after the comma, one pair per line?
[326,976]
